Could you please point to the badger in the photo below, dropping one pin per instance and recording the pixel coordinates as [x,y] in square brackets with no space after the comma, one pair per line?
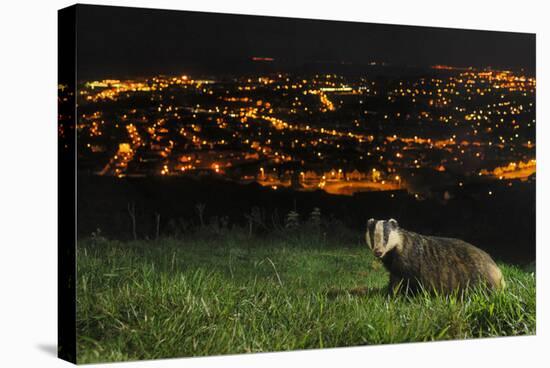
[419,262]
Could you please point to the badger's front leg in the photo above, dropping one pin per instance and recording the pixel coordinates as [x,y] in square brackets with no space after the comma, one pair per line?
[396,282]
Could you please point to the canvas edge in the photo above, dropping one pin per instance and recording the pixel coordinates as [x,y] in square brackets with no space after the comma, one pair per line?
[66,175]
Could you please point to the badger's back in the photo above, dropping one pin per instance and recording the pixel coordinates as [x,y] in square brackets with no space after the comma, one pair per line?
[443,264]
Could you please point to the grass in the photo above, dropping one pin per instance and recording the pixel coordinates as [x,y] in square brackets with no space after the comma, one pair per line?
[231,294]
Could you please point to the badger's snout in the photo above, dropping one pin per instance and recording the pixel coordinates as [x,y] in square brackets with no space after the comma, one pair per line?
[378,253]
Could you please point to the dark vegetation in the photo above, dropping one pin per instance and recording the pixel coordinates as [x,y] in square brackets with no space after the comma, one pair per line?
[502,223]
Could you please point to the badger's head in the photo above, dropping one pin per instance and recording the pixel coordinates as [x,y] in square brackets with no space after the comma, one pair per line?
[382,236]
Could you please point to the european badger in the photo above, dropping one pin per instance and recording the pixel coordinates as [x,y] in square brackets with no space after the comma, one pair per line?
[433,263]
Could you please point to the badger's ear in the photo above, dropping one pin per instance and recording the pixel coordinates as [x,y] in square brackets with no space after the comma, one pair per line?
[370,221]
[393,223]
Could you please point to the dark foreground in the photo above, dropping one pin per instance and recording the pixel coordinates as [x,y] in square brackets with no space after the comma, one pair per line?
[502,223]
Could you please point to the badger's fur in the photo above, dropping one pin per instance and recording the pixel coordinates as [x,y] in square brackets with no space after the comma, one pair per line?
[433,263]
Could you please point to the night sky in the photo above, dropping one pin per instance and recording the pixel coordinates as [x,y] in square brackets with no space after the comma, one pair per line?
[124,42]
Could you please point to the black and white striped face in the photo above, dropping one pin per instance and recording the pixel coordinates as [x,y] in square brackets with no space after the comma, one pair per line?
[382,236]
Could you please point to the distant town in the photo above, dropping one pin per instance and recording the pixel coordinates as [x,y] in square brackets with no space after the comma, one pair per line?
[337,133]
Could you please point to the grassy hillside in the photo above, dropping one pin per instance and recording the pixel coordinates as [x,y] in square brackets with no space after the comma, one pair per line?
[208,295]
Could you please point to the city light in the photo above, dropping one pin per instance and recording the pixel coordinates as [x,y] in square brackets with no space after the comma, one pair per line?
[300,121]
